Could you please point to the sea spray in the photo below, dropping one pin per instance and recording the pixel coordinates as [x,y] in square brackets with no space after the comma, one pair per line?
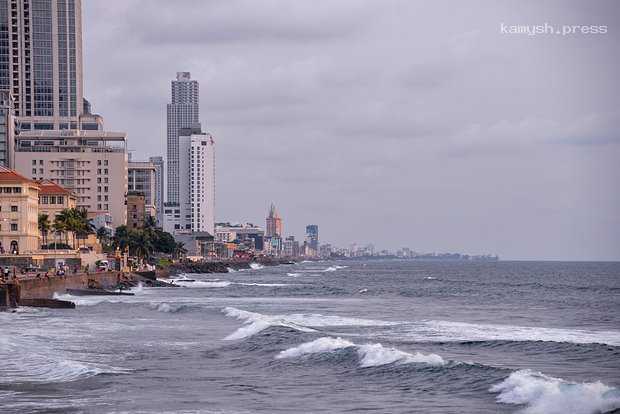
[542,394]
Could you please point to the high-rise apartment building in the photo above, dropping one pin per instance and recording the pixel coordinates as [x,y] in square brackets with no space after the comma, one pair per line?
[41,61]
[312,238]
[92,164]
[7,129]
[195,210]
[273,221]
[141,180]
[182,112]
[158,163]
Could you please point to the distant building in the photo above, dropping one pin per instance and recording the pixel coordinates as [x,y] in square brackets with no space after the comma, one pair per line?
[136,210]
[141,179]
[248,235]
[7,129]
[273,226]
[182,112]
[325,251]
[158,163]
[312,239]
[19,213]
[195,210]
[291,247]
[92,164]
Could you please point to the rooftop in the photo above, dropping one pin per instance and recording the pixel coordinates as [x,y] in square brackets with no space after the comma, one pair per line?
[50,187]
[8,176]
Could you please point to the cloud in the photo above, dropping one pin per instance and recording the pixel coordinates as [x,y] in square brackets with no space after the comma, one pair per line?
[365,116]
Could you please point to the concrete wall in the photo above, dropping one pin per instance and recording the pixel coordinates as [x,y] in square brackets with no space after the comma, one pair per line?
[45,288]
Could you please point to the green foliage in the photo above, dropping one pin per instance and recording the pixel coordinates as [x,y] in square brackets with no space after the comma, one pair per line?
[75,221]
[144,242]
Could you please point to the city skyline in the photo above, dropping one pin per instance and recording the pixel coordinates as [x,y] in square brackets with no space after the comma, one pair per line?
[452,171]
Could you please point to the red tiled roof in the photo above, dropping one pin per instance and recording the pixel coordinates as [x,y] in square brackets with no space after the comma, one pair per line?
[50,187]
[8,176]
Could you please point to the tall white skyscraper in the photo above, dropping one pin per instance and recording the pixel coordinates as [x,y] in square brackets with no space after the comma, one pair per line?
[182,112]
[41,61]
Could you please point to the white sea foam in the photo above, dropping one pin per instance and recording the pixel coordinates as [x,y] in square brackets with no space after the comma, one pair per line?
[25,361]
[231,270]
[334,268]
[263,284]
[370,355]
[293,274]
[321,345]
[204,283]
[256,266]
[542,394]
[461,331]
[256,322]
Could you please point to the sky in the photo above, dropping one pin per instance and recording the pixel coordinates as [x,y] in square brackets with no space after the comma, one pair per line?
[399,123]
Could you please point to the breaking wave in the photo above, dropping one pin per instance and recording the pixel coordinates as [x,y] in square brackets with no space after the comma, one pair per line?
[334,268]
[256,322]
[370,355]
[293,274]
[256,266]
[461,331]
[542,394]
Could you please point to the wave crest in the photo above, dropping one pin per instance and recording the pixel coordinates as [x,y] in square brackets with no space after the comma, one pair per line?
[548,395]
[370,355]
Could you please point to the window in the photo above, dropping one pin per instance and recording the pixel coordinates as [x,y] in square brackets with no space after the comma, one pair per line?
[34,170]
[13,209]
[40,162]
[105,180]
[34,162]
[98,180]
[13,226]
[98,206]
[40,170]
[98,198]
[52,199]
[98,162]
[105,197]
[105,171]
[107,207]
[105,162]
[17,190]
[105,188]
[44,200]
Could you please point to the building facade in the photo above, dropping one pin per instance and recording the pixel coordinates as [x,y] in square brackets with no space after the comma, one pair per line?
[197,180]
[248,235]
[136,210]
[7,129]
[141,180]
[273,227]
[158,163]
[92,164]
[41,61]
[19,213]
[182,112]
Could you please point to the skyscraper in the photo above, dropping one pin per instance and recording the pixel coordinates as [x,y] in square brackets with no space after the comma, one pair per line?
[273,226]
[158,162]
[182,112]
[312,237]
[41,61]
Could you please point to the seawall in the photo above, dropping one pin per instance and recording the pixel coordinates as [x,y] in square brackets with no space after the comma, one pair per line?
[44,288]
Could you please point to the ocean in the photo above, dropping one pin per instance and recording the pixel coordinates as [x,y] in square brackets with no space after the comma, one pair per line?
[382,336]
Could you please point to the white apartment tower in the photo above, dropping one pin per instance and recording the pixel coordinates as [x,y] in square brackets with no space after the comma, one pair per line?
[197,180]
[182,112]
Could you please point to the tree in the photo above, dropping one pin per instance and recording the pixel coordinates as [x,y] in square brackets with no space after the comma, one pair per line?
[44,226]
[179,250]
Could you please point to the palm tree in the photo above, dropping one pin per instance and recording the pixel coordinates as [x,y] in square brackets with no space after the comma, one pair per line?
[83,226]
[179,250]
[59,226]
[44,226]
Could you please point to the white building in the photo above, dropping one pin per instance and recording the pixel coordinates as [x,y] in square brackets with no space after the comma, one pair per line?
[141,179]
[158,162]
[195,211]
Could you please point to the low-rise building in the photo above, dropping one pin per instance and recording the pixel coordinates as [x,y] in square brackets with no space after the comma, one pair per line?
[136,210]
[19,212]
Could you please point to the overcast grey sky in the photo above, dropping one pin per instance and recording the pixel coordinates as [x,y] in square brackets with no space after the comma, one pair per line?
[401,123]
